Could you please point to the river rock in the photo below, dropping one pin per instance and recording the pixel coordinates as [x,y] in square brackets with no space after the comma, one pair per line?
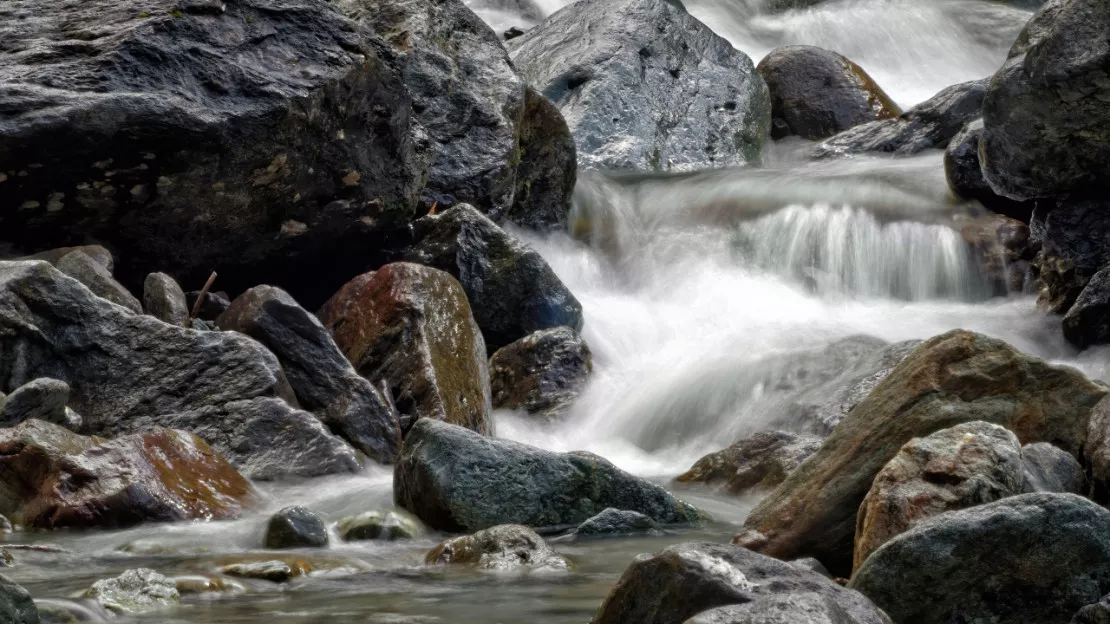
[102,256]
[1048,468]
[1087,323]
[687,579]
[1075,244]
[208,585]
[542,373]
[1028,558]
[41,399]
[130,372]
[322,379]
[1097,613]
[760,462]
[643,85]
[164,300]
[295,527]
[16,605]
[548,167]
[410,327]
[141,590]
[951,379]
[816,93]
[800,608]
[503,547]
[963,466]
[1096,453]
[377,525]
[965,175]
[81,267]
[456,480]
[1045,113]
[1003,248]
[512,290]
[615,522]
[273,570]
[213,305]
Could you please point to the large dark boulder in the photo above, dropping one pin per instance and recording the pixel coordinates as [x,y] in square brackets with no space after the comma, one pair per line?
[643,85]
[295,527]
[456,480]
[548,167]
[541,373]
[1088,321]
[816,93]
[965,175]
[1075,244]
[1027,558]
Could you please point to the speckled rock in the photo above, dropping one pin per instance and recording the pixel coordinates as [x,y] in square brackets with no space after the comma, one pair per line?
[542,373]
[1075,244]
[378,525]
[1048,468]
[1096,453]
[135,591]
[760,462]
[16,605]
[295,527]
[164,300]
[1097,613]
[1087,323]
[41,399]
[616,522]
[503,547]
[548,167]
[965,174]
[102,256]
[83,268]
[800,608]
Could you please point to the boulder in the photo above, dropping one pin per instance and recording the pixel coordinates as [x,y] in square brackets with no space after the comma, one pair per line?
[1048,468]
[41,399]
[643,85]
[295,527]
[130,372]
[213,305]
[758,463]
[1045,113]
[410,327]
[929,125]
[503,547]
[1097,613]
[684,580]
[615,522]
[377,525]
[83,268]
[512,290]
[951,379]
[322,379]
[1075,244]
[1087,323]
[548,167]
[800,608]
[1096,453]
[456,480]
[963,466]
[141,590]
[164,300]
[102,256]
[542,373]
[16,605]
[965,175]
[816,93]
[1003,248]
[1028,558]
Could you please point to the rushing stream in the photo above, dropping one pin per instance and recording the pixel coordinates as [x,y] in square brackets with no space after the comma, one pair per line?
[702,293]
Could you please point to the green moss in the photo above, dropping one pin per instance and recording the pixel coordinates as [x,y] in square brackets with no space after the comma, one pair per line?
[175,13]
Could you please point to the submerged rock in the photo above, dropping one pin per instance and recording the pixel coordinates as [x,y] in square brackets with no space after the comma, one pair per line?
[275,571]
[760,462]
[201,584]
[295,527]
[96,278]
[135,591]
[16,605]
[1048,468]
[1087,323]
[41,399]
[616,522]
[377,525]
[503,547]
[542,373]
[164,300]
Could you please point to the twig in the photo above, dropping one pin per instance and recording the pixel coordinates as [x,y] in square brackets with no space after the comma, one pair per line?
[202,295]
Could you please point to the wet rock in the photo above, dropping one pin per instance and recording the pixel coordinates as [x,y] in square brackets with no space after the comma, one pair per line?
[953,378]
[96,278]
[296,527]
[1087,323]
[684,580]
[965,176]
[1097,613]
[321,377]
[1096,452]
[16,605]
[760,462]
[60,611]
[1048,468]
[214,304]
[377,525]
[102,256]
[542,373]
[614,522]
[504,547]
[275,571]
[197,584]
[512,290]
[548,166]
[931,124]
[278,567]
[1003,248]
[410,327]
[963,466]
[650,87]
[164,300]
[456,480]
[135,591]
[1075,235]
[130,372]
[1045,114]
[801,608]
[816,93]
[42,399]
[1027,558]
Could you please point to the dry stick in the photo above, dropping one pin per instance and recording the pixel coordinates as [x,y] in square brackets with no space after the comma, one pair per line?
[203,294]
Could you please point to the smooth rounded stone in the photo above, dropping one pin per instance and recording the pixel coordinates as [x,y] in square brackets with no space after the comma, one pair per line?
[1045,113]
[83,268]
[963,466]
[129,373]
[410,327]
[200,584]
[816,93]
[548,167]
[296,527]
[1087,323]
[542,373]
[102,256]
[1048,468]
[760,462]
[1096,452]
[687,579]
[456,480]
[649,88]
[141,590]
[1027,558]
[213,305]
[377,525]
[164,300]
[965,175]
[16,605]
[616,522]
[322,379]
[504,547]
[42,399]
[275,571]
[511,288]
[60,611]
[953,378]
[1097,613]
[1075,244]
[801,608]
[929,125]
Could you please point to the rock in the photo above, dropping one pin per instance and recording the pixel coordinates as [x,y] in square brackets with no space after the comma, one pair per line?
[410,327]
[760,462]
[503,547]
[953,378]
[214,304]
[816,93]
[295,527]
[377,525]
[1087,323]
[801,608]
[548,167]
[513,33]
[1047,468]
[456,480]
[965,176]
[813,565]
[931,124]
[963,466]
[1027,558]
[1096,452]
[130,372]
[61,611]
[512,290]
[542,373]
[5,525]
[164,300]
[275,571]
[1003,248]
[93,275]
[614,522]
[649,88]
[1044,115]
[687,579]
[1075,244]
[41,399]
[141,590]
[1097,613]
[16,605]
[102,256]
[320,375]
[198,584]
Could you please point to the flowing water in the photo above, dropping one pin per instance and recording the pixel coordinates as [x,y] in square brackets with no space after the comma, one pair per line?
[711,301]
